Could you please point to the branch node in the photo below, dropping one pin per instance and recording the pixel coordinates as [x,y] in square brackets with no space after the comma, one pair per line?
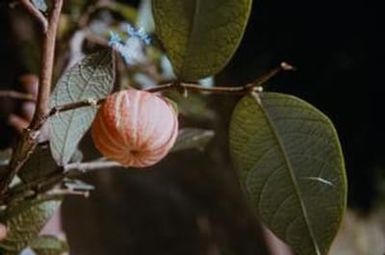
[258,89]
[287,67]
[92,102]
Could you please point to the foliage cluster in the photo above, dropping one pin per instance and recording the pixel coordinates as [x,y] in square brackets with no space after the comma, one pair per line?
[286,152]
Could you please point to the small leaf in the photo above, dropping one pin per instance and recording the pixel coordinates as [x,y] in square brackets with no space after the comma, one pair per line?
[40,4]
[24,222]
[91,79]
[49,245]
[193,138]
[291,166]
[200,36]
[145,19]
[40,164]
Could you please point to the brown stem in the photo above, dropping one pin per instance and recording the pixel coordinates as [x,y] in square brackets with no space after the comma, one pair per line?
[90,166]
[193,87]
[73,106]
[36,13]
[237,90]
[270,74]
[186,86]
[28,140]
[17,95]
[42,105]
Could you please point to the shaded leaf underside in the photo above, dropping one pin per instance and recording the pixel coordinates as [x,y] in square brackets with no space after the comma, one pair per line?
[291,165]
[91,79]
[200,36]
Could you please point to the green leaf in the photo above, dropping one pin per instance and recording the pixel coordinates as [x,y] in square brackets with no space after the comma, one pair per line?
[40,4]
[49,245]
[291,166]
[40,164]
[91,79]
[192,138]
[200,36]
[25,221]
[145,19]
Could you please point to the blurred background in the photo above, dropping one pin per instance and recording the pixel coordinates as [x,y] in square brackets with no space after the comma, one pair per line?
[191,203]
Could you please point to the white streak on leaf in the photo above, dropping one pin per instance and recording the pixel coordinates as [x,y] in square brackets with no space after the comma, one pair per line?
[319,179]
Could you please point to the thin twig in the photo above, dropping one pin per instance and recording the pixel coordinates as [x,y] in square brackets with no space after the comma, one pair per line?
[17,95]
[180,86]
[66,192]
[193,87]
[42,105]
[76,105]
[270,74]
[91,166]
[36,13]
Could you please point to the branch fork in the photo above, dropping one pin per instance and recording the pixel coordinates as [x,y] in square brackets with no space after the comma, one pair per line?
[28,141]
[35,12]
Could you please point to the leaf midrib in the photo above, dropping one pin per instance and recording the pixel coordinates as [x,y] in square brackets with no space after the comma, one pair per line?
[191,35]
[281,147]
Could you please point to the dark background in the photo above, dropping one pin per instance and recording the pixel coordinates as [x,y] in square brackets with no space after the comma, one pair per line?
[338,49]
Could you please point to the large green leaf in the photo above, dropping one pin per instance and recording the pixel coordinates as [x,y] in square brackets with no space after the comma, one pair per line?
[291,166]
[200,36]
[24,222]
[91,79]
[49,245]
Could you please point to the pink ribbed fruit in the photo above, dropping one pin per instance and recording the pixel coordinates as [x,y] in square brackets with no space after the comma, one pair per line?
[135,128]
